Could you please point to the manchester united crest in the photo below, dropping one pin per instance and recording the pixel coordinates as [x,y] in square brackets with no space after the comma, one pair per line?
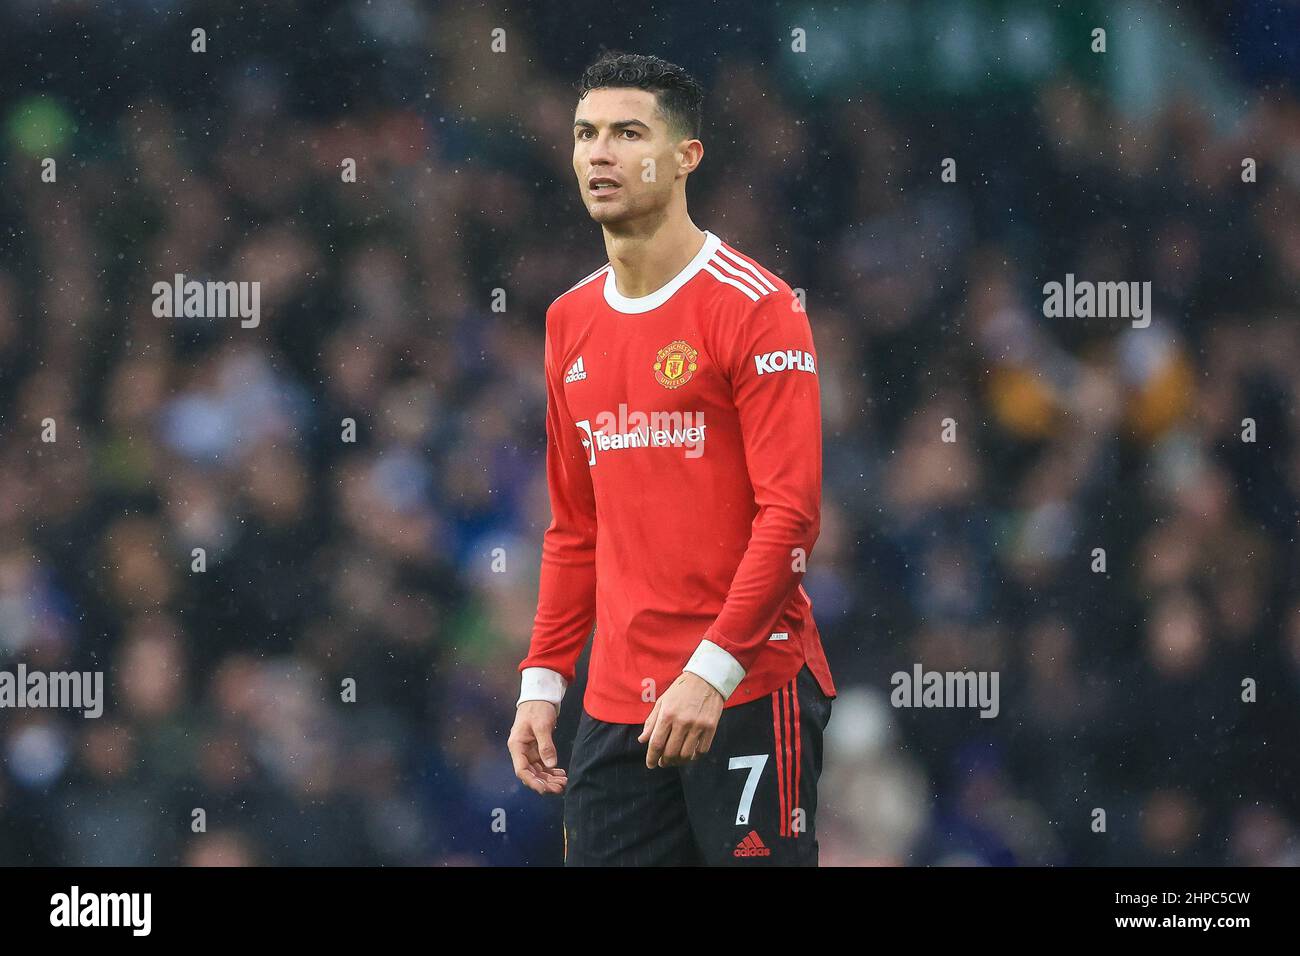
[674,364]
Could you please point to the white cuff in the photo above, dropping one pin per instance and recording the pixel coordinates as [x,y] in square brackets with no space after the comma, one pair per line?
[542,683]
[717,667]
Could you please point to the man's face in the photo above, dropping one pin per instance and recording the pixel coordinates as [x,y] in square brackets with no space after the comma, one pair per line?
[624,155]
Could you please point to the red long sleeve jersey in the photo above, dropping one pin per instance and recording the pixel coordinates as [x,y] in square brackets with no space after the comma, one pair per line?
[684,471]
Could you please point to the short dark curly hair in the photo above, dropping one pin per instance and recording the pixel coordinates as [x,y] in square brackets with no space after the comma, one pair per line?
[678,94]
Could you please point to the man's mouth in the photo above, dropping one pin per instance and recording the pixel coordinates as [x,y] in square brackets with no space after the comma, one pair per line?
[602,186]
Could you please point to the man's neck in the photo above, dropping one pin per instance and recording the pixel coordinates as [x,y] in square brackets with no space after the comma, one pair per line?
[644,262]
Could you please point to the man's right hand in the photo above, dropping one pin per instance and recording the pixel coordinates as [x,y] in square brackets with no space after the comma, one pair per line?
[533,750]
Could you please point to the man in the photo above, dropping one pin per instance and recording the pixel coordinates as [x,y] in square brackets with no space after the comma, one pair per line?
[683,461]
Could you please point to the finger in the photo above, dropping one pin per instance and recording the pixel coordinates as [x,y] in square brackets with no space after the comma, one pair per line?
[548,774]
[542,784]
[549,771]
[550,782]
[545,745]
[672,755]
[649,726]
[530,779]
[658,740]
[691,746]
[540,769]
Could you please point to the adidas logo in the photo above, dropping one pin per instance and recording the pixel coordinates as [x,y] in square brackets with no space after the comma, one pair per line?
[752,845]
[577,372]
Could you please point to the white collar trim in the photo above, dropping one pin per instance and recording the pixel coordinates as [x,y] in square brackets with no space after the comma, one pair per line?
[644,303]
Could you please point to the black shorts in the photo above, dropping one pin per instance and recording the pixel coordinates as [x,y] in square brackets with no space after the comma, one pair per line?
[750,801]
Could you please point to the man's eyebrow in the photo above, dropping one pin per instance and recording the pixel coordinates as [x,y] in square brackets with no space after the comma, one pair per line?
[617,124]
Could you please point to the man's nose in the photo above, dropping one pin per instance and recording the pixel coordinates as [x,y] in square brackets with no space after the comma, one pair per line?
[600,151]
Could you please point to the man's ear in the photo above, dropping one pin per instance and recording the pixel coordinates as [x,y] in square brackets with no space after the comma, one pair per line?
[691,153]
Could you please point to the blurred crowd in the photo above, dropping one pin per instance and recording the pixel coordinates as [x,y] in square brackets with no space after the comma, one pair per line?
[402,562]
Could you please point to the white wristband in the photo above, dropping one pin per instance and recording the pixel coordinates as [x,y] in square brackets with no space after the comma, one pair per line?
[717,667]
[542,683]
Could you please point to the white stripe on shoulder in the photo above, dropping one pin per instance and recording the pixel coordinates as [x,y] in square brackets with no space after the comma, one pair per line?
[581,282]
[748,265]
[748,290]
[739,275]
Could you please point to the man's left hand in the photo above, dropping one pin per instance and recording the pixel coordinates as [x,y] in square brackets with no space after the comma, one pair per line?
[683,722]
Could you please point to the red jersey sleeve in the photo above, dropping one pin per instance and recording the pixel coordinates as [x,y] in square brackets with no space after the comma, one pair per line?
[772,366]
[566,599]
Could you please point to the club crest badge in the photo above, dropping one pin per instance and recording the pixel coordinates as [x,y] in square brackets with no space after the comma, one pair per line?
[675,364]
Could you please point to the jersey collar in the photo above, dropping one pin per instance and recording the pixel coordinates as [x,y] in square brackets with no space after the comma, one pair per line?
[644,303]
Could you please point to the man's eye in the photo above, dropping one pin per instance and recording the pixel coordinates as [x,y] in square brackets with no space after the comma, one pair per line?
[633,133]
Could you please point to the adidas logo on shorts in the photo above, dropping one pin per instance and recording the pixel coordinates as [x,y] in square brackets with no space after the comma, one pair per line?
[752,845]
